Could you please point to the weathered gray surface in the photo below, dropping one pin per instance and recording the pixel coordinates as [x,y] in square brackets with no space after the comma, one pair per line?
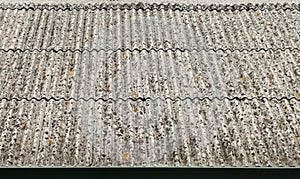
[104,28]
[152,1]
[131,86]
[154,132]
[150,74]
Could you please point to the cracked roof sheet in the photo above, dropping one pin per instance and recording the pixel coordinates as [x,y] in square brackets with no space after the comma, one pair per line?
[149,85]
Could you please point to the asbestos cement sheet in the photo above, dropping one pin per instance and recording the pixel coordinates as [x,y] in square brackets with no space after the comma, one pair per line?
[150,85]
[150,74]
[150,133]
[112,27]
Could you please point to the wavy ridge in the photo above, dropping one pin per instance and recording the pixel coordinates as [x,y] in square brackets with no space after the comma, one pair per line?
[154,6]
[154,99]
[152,49]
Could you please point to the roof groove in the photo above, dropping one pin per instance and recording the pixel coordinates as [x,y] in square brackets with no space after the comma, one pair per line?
[154,49]
[153,99]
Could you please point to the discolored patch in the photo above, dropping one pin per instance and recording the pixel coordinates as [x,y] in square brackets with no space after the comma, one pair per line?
[106,88]
[243,78]
[297,96]
[123,56]
[43,75]
[252,137]
[135,109]
[134,95]
[50,141]
[126,155]
[71,73]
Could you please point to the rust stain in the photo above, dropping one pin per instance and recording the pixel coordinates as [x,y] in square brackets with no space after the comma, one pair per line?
[297,96]
[252,138]
[19,142]
[257,14]
[197,78]
[50,141]
[106,88]
[126,155]
[243,78]
[134,95]
[123,56]
[135,109]
[43,74]
[37,65]
[71,73]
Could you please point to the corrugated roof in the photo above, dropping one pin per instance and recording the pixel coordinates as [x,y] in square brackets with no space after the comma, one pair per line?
[142,84]
[137,28]
[150,74]
[152,132]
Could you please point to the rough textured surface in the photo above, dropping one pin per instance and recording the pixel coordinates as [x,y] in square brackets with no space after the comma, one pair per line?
[152,1]
[150,74]
[152,132]
[150,85]
[113,27]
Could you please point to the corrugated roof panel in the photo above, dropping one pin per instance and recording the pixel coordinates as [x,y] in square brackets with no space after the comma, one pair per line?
[150,85]
[152,132]
[150,74]
[149,29]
